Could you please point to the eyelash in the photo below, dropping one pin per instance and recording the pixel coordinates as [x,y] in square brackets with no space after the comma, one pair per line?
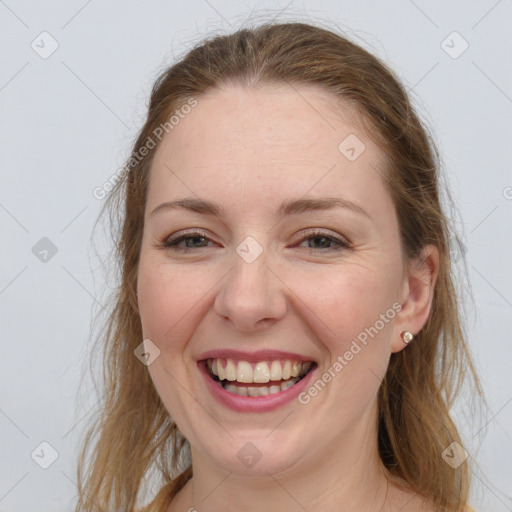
[172,243]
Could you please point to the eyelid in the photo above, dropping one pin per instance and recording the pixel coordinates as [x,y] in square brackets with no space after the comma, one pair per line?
[187,233]
[325,232]
[341,242]
[305,231]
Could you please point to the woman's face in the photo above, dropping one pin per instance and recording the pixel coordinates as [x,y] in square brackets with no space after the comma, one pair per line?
[269,279]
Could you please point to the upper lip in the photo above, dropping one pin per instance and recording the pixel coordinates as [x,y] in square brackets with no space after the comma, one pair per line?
[253,357]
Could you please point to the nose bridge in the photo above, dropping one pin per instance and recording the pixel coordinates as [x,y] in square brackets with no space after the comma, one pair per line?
[250,292]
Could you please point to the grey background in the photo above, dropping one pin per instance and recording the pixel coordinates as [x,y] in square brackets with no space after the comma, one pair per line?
[67,124]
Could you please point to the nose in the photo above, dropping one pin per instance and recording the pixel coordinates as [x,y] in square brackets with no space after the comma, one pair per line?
[251,296]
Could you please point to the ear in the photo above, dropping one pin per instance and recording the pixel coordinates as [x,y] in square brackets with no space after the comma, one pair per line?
[416,295]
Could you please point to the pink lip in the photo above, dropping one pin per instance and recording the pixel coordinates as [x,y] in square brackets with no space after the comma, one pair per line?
[252,357]
[253,404]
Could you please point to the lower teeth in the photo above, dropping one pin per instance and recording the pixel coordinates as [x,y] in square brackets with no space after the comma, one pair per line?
[254,391]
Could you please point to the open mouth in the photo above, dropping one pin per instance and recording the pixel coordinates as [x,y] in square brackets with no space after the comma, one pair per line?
[257,379]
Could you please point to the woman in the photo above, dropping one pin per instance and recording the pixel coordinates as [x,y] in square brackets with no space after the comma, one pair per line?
[286,333]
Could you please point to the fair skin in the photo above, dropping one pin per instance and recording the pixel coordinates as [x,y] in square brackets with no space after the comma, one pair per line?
[249,150]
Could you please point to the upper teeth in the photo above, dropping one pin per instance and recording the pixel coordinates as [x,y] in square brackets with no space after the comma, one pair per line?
[264,371]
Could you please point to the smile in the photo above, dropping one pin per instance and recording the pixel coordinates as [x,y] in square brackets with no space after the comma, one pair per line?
[246,379]
[245,386]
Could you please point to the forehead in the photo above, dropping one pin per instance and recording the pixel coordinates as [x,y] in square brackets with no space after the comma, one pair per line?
[263,145]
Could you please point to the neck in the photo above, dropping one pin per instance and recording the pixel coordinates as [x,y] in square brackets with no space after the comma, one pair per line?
[349,473]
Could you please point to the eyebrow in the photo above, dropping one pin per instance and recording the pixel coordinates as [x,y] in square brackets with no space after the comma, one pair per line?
[289,207]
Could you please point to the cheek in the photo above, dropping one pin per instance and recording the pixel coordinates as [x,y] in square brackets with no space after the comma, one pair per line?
[348,305]
[345,306]
[165,299]
[150,295]
[345,300]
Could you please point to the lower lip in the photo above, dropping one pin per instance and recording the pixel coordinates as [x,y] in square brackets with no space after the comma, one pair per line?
[254,404]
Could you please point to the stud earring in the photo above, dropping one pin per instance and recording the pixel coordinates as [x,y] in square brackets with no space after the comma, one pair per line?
[406,336]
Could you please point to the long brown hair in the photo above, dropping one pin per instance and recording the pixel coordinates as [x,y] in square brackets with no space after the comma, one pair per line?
[133,434]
